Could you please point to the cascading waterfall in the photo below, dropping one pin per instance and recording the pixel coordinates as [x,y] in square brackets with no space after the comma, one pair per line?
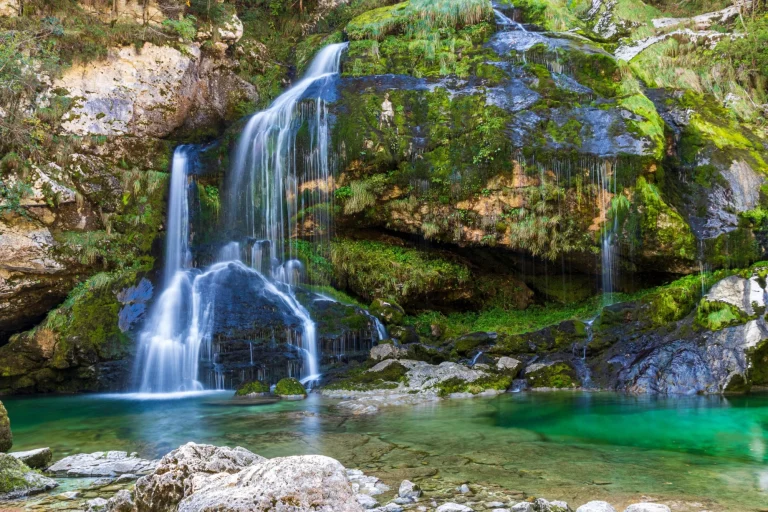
[606,186]
[267,178]
[505,21]
[168,346]
[270,180]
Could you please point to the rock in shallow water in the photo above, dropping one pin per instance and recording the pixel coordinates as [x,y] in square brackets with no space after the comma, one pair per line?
[307,482]
[102,464]
[37,459]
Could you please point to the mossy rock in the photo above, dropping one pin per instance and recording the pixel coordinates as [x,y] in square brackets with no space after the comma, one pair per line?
[559,375]
[467,343]
[404,334]
[388,311]
[254,387]
[290,387]
[18,480]
[362,379]
[758,367]
[718,315]
[6,437]
[453,385]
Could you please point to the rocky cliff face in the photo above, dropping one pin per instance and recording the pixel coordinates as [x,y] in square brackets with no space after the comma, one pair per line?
[87,209]
[485,162]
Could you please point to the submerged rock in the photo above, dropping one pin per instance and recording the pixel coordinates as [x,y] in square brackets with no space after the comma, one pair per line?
[185,470]
[307,482]
[409,490]
[38,459]
[18,480]
[102,464]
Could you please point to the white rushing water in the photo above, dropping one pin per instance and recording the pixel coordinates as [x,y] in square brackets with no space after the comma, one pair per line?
[167,360]
[505,21]
[266,177]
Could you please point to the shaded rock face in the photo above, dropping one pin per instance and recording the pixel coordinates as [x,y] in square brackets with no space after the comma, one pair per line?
[706,364]
[6,437]
[186,470]
[34,276]
[307,482]
[148,93]
[255,334]
[39,458]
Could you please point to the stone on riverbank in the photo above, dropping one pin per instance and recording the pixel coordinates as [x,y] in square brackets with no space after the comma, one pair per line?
[102,464]
[6,437]
[453,507]
[596,506]
[647,507]
[307,482]
[39,458]
[121,502]
[185,470]
[18,480]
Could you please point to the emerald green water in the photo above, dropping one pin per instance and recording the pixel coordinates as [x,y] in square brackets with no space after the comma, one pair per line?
[695,453]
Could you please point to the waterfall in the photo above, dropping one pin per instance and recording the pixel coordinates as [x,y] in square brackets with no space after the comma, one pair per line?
[177,239]
[263,189]
[269,174]
[167,360]
[605,181]
[505,21]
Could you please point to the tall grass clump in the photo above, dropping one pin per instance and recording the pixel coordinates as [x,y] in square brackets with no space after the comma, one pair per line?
[431,14]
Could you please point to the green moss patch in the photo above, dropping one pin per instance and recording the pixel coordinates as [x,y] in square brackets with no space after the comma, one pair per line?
[375,269]
[254,386]
[362,379]
[289,387]
[558,375]
[718,315]
[457,385]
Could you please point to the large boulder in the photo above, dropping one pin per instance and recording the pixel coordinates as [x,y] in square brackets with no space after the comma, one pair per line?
[18,480]
[307,482]
[186,469]
[39,458]
[6,436]
[102,464]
